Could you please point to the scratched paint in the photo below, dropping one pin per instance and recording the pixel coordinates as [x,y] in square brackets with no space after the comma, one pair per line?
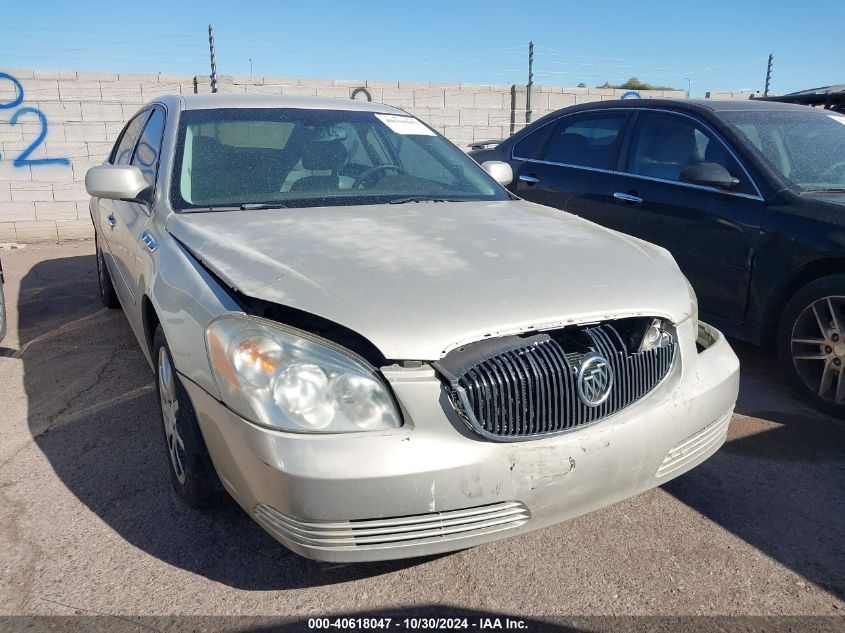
[25,114]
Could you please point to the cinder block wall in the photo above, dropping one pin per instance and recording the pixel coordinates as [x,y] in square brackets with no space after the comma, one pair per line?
[80,114]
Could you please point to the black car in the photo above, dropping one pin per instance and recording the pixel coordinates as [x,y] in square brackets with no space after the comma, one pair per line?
[749,196]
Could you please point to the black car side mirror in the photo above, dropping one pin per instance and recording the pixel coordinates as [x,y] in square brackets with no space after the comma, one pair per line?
[709,175]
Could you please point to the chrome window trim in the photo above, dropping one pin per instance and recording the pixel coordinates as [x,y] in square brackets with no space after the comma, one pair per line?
[689,185]
[749,196]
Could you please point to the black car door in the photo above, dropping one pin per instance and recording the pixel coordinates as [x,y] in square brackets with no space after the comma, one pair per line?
[711,232]
[571,169]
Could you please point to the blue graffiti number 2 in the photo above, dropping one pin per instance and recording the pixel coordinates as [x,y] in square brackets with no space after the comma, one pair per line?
[23,159]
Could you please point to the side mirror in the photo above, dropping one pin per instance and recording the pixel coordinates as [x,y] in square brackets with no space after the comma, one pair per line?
[709,175]
[500,172]
[118,182]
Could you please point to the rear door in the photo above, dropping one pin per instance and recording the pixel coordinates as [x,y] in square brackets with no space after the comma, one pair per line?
[573,171]
[711,232]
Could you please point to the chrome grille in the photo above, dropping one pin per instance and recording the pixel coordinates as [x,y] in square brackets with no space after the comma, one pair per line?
[527,387]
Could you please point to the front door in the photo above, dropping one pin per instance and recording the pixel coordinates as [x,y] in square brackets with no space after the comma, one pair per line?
[711,232]
[117,217]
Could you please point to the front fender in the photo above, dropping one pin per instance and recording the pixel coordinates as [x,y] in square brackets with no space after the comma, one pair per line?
[185,298]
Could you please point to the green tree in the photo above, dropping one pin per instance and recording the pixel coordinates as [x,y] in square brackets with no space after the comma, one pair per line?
[635,84]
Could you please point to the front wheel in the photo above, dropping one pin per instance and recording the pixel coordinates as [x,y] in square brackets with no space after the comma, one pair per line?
[811,343]
[191,471]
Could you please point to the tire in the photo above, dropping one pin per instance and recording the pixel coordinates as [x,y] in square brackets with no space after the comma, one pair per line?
[811,343]
[191,472]
[107,294]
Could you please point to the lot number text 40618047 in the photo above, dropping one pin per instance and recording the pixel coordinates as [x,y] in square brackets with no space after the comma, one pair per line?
[418,623]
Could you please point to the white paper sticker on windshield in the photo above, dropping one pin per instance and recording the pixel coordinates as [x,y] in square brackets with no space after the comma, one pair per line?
[838,119]
[404,124]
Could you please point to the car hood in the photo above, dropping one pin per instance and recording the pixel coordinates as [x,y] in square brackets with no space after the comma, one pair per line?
[828,198]
[420,279]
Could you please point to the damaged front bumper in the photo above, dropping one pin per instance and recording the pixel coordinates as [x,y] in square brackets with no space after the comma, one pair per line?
[434,486]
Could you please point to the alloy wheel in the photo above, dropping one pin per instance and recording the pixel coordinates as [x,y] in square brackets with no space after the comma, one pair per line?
[170,413]
[818,347]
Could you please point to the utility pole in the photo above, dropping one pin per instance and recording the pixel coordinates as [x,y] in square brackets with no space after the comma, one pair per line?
[250,66]
[530,81]
[213,62]
[768,76]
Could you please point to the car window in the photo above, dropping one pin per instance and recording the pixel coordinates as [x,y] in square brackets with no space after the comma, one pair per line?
[586,140]
[122,153]
[806,146]
[664,144]
[303,157]
[420,161]
[149,146]
[528,147]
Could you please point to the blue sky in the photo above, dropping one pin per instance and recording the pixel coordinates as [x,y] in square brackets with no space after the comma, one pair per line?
[718,45]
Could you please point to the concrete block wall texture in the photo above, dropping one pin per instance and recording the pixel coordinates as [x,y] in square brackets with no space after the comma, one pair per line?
[42,193]
[736,96]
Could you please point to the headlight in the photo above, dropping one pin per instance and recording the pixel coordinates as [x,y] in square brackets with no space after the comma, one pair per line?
[656,335]
[291,380]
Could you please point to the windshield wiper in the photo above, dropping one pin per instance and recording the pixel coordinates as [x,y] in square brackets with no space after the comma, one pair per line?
[826,190]
[408,199]
[252,206]
[259,206]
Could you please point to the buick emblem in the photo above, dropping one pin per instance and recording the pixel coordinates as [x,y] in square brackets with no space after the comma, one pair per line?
[595,380]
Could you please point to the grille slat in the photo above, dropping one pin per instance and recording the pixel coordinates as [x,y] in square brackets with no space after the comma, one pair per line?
[531,389]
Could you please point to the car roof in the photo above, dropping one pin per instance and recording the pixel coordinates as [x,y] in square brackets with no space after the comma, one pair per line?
[711,105]
[214,101]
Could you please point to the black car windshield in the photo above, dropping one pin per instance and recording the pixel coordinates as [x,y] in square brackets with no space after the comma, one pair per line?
[806,148]
[241,158]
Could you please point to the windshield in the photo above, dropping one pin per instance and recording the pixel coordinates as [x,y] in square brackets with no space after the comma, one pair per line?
[243,157]
[806,148]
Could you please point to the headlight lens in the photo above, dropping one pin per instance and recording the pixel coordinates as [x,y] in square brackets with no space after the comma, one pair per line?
[656,335]
[290,380]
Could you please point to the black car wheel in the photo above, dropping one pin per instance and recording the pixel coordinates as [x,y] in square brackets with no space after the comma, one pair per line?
[191,471]
[107,293]
[811,343]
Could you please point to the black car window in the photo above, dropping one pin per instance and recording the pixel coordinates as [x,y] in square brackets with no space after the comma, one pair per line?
[122,153]
[527,147]
[587,140]
[146,154]
[664,144]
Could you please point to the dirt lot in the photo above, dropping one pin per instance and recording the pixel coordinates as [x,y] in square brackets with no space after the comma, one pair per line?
[89,524]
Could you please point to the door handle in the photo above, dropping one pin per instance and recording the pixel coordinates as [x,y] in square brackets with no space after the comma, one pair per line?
[627,197]
[111,221]
[531,180]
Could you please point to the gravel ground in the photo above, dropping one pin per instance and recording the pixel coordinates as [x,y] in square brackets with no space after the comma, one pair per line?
[89,524]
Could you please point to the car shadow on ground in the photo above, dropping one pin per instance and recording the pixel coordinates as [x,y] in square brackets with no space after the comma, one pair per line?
[779,482]
[93,413]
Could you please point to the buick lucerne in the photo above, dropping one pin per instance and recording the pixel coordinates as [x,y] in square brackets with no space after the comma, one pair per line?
[376,349]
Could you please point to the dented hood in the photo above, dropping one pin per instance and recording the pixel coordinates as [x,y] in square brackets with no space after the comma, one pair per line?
[420,279]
